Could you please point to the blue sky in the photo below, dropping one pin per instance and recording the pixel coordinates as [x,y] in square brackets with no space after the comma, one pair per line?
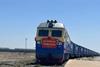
[19,19]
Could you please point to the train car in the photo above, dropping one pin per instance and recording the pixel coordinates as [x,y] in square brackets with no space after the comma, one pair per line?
[53,44]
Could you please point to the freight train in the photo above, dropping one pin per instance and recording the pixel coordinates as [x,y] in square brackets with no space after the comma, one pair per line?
[53,44]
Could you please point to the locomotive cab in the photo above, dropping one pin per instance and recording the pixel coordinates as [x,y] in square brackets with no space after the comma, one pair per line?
[49,38]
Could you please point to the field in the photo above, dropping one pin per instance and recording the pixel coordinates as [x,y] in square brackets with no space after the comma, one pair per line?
[16,59]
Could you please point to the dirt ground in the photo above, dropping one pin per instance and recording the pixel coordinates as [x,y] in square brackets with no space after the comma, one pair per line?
[82,63]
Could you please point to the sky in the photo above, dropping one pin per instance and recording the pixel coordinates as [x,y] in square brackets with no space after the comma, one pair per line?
[20,18]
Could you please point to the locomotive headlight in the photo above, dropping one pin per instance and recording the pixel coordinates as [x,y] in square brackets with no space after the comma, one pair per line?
[59,43]
[38,42]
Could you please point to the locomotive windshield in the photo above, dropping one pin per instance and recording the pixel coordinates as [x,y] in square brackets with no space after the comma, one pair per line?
[43,33]
[56,33]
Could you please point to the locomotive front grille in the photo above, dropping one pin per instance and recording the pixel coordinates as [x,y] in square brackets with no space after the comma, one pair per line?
[48,43]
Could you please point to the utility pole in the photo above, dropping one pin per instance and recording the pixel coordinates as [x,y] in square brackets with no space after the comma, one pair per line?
[25,45]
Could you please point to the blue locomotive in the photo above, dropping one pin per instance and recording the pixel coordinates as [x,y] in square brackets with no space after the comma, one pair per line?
[53,44]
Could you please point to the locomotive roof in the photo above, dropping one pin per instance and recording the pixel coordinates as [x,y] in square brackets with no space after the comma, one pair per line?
[53,24]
